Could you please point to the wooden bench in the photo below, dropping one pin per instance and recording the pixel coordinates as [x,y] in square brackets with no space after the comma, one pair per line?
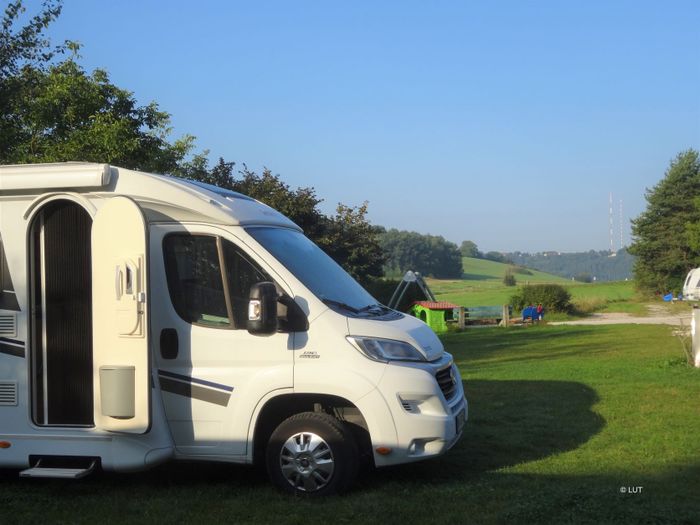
[482,315]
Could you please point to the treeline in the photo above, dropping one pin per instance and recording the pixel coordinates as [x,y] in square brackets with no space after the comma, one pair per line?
[581,266]
[430,255]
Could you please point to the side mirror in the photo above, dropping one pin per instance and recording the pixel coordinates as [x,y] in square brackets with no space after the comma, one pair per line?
[262,309]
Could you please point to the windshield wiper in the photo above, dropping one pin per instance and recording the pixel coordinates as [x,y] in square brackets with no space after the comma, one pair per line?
[340,304]
[371,307]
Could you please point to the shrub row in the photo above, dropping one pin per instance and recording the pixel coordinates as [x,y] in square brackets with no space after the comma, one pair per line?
[554,297]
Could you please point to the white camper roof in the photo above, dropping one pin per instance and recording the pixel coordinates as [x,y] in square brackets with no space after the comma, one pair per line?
[163,198]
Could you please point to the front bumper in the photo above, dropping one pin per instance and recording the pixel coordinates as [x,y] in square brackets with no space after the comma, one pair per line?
[428,420]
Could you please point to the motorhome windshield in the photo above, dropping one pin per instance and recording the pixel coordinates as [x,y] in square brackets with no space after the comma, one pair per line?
[321,274]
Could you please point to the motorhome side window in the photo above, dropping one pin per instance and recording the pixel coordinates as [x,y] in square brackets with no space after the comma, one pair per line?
[198,284]
[8,300]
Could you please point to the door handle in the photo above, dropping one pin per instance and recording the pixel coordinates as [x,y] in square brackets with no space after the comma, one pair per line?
[169,344]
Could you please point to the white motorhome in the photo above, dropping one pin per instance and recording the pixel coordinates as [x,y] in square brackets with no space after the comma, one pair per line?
[145,318]
[691,286]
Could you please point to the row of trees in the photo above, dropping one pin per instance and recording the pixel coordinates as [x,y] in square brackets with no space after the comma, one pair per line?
[428,254]
[470,249]
[582,266]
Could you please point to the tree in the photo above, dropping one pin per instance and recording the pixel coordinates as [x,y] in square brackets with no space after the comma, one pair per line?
[353,242]
[26,46]
[692,229]
[347,236]
[427,254]
[64,113]
[55,111]
[661,233]
[469,249]
[509,278]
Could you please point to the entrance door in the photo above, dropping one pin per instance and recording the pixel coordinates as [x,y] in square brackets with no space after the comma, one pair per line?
[61,324]
[121,364]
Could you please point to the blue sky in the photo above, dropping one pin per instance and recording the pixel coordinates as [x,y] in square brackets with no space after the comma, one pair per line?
[506,123]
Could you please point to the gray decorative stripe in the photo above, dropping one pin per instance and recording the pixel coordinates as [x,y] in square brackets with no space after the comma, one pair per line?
[194,391]
[11,349]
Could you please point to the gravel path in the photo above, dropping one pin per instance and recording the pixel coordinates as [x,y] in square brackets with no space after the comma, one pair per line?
[657,315]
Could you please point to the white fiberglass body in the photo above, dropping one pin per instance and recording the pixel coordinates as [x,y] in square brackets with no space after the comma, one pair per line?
[151,302]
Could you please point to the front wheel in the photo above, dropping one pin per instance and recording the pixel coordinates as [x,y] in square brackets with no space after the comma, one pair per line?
[312,453]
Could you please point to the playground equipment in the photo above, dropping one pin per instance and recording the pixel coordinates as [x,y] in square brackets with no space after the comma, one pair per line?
[431,311]
[410,277]
[437,314]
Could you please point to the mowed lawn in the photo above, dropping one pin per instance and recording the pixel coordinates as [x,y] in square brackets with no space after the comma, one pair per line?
[562,420]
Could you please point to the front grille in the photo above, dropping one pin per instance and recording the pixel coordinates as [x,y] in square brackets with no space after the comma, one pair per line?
[447,382]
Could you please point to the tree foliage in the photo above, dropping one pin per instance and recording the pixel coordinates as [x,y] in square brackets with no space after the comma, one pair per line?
[25,46]
[347,236]
[428,254]
[598,264]
[664,242]
[469,249]
[63,113]
[53,110]
[509,278]
[353,242]
[554,297]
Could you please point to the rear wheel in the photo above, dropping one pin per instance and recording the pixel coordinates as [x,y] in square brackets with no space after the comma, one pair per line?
[312,453]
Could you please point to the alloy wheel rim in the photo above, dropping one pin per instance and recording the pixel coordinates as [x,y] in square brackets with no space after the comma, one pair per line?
[307,461]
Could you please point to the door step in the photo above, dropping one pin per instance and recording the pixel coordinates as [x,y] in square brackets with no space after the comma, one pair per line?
[39,471]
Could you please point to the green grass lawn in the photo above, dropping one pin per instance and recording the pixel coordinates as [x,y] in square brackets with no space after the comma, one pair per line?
[482,285]
[560,419]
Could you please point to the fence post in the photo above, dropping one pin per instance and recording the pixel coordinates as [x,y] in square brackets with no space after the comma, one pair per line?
[461,320]
[506,315]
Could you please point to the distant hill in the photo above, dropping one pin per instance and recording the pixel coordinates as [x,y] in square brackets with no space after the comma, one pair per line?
[594,264]
[485,270]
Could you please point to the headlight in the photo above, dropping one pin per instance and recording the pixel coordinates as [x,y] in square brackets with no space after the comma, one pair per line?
[385,350]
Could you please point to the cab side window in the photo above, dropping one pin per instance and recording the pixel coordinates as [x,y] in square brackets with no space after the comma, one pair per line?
[209,280]
[241,274]
[195,279]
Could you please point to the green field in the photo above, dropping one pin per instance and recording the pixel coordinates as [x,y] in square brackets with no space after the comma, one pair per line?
[482,285]
[560,419]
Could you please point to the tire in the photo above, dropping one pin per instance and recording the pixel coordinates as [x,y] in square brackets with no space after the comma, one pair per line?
[312,454]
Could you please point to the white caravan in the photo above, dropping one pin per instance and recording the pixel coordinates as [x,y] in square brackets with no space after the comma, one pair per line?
[691,287]
[145,318]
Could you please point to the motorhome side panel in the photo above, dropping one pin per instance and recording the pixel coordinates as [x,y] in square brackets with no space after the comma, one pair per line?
[46,402]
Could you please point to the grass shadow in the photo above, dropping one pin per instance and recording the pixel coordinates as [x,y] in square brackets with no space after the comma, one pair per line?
[510,422]
[478,277]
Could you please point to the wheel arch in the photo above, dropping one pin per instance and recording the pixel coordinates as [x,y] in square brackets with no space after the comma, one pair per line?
[280,407]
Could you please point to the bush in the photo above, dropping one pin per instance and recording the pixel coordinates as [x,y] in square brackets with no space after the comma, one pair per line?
[554,297]
[509,278]
[583,277]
